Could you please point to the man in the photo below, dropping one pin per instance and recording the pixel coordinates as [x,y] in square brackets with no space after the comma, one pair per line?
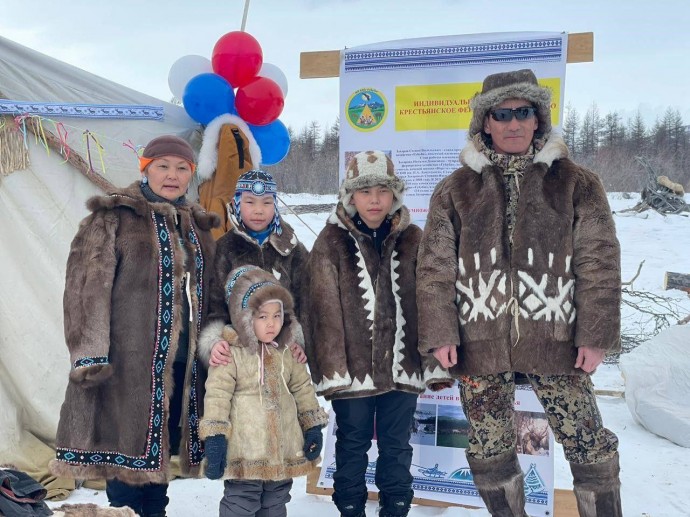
[519,272]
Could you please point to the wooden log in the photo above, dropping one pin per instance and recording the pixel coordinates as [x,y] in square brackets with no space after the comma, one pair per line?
[326,63]
[676,281]
[564,503]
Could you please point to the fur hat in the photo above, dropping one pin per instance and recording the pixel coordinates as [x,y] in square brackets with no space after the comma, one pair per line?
[519,84]
[166,145]
[368,169]
[246,289]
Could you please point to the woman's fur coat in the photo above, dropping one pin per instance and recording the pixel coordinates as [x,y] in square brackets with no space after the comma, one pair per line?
[122,310]
[525,306]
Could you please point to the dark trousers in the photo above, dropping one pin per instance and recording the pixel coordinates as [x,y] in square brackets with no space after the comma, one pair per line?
[391,415]
[146,500]
[255,498]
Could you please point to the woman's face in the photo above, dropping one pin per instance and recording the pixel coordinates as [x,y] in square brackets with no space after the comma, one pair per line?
[169,176]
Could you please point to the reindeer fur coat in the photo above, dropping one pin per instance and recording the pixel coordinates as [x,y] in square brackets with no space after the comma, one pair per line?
[360,317]
[263,401]
[122,310]
[526,306]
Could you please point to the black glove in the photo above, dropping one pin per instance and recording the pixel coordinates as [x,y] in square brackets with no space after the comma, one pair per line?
[313,442]
[216,449]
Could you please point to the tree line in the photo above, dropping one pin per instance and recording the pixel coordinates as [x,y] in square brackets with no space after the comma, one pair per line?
[607,144]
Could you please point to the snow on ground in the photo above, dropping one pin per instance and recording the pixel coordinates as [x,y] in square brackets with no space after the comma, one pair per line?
[655,473]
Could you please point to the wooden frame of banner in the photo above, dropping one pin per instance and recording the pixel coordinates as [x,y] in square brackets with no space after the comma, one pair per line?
[564,504]
[326,63]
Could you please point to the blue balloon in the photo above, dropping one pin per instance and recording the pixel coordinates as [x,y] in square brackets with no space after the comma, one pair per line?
[273,140]
[207,96]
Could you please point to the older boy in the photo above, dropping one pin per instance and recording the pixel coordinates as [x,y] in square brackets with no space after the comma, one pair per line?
[361,333]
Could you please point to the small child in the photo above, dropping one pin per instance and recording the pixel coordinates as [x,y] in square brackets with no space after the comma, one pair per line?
[361,328]
[259,237]
[262,422]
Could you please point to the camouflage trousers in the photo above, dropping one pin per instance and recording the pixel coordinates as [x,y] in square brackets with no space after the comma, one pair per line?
[568,401]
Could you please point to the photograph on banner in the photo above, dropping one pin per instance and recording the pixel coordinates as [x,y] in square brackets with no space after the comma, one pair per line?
[411,98]
[439,437]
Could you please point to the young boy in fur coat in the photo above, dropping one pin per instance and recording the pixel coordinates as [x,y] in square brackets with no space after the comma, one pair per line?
[361,328]
[262,422]
[259,237]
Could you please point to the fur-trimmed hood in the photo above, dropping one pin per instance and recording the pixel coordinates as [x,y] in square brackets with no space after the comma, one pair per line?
[554,149]
[246,289]
[208,154]
[132,197]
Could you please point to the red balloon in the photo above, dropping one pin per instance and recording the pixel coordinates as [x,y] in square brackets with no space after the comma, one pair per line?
[260,102]
[237,57]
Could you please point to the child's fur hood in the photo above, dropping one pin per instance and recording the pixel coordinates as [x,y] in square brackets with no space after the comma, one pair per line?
[246,289]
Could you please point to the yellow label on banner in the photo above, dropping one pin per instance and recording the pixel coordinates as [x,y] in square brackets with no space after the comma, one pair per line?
[433,107]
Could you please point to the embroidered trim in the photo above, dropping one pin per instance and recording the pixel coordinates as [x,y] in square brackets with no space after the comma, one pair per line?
[85,362]
[196,449]
[112,111]
[537,49]
[231,283]
[252,290]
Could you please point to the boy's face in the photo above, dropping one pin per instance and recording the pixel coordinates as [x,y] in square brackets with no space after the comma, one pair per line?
[373,204]
[257,211]
[268,321]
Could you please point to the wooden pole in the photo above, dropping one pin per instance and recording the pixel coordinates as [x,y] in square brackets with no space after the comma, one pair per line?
[244,16]
[326,63]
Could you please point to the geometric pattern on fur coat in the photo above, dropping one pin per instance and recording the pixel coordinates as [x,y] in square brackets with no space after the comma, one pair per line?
[360,316]
[122,311]
[528,305]
[263,421]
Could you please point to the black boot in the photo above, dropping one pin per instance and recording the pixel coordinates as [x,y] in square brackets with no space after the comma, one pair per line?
[394,506]
[500,482]
[598,488]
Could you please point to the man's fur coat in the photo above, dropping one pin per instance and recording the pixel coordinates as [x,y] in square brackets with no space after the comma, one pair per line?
[525,306]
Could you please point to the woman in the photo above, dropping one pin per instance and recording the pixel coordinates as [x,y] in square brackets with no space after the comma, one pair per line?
[139,285]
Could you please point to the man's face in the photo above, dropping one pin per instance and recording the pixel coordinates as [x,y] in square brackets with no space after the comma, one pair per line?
[373,204]
[513,136]
[257,211]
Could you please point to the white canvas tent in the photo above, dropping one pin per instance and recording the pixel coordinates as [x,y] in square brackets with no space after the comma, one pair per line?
[40,208]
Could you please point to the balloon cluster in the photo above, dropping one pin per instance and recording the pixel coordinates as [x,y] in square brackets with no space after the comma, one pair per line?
[236,80]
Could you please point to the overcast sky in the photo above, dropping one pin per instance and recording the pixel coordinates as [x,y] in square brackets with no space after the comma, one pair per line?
[641,49]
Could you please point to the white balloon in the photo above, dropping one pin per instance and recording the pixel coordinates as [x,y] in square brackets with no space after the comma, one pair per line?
[274,73]
[184,69]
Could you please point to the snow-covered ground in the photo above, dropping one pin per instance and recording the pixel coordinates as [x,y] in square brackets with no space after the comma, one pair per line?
[655,473]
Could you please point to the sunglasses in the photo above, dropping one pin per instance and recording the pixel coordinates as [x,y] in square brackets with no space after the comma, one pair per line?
[507,114]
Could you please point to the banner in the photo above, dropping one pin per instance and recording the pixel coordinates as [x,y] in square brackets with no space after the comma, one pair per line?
[439,437]
[410,98]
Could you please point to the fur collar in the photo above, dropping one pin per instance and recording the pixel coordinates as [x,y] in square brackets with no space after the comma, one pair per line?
[399,221]
[283,243]
[131,197]
[208,154]
[554,149]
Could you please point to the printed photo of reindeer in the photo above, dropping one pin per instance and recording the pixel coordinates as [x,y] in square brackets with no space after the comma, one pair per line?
[532,433]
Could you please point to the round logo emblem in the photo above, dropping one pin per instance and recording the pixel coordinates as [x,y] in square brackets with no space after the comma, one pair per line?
[366,109]
[258,188]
